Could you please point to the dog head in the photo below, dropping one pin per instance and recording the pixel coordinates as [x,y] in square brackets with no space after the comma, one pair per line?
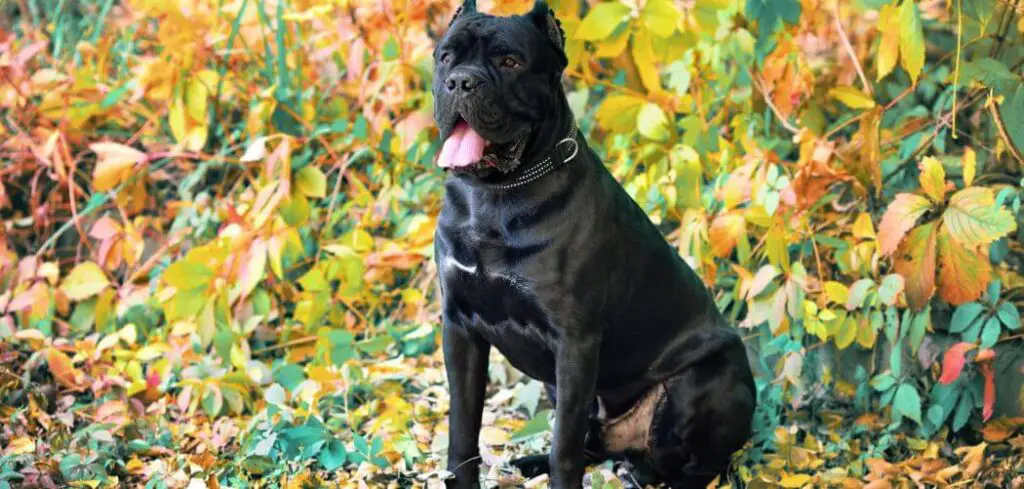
[495,81]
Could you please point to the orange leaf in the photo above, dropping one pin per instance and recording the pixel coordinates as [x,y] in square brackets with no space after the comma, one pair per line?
[953,362]
[899,218]
[725,230]
[63,370]
[985,355]
[990,391]
[964,273]
[916,262]
[999,430]
[879,484]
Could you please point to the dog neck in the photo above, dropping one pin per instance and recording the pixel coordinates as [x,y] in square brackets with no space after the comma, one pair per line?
[552,142]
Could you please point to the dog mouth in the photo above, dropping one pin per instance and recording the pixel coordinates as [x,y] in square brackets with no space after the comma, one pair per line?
[466,148]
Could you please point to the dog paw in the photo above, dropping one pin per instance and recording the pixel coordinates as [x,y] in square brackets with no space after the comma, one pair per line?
[532,465]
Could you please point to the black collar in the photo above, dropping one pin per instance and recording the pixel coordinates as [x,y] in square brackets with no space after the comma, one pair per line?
[563,152]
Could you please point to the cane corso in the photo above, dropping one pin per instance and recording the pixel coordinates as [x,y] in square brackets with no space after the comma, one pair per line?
[542,254]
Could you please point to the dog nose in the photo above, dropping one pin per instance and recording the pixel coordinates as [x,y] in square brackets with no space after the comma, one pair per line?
[461,81]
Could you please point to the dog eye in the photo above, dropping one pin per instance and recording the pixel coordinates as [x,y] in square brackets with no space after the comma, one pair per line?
[446,57]
[509,62]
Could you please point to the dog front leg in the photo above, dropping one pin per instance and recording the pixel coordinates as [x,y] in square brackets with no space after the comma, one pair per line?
[575,378]
[465,358]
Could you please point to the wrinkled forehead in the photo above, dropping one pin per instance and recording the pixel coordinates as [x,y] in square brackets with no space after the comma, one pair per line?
[513,32]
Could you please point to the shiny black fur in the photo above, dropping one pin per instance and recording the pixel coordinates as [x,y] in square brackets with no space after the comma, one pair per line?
[569,279]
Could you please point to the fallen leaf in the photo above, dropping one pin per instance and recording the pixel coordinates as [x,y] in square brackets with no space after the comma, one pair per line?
[85,280]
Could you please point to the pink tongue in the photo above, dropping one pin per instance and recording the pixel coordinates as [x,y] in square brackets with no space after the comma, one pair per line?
[463,148]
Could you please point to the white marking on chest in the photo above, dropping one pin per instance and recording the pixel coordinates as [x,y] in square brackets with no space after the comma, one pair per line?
[450,263]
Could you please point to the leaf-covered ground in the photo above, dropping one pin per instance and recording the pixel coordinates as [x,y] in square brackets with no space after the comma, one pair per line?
[217,223]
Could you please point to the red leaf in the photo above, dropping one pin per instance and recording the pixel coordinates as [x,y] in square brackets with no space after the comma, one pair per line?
[953,362]
[990,392]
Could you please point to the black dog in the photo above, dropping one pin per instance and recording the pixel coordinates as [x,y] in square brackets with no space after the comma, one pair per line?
[542,254]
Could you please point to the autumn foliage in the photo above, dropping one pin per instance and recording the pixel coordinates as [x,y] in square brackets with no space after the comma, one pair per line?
[217,224]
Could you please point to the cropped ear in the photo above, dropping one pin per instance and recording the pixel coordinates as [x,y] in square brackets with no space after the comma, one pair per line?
[466,7]
[544,18]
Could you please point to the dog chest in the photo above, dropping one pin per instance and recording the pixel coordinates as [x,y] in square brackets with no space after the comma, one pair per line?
[500,308]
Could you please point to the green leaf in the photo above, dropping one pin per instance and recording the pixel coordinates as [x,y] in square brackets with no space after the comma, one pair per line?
[652,122]
[896,359]
[311,182]
[990,333]
[391,49]
[918,328]
[992,291]
[973,218]
[1009,315]
[537,425]
[907,402]
[890,288]
[990,73]
[883,382]
[601,21]
[963,412]
[847,333]
[1011,111]
[859,292]
[911,39]
[964,316]
[213,400]
[332,455]
[768,13]
[289,376]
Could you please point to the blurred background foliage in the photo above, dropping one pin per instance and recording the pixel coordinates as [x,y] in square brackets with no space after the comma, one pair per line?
[218,220]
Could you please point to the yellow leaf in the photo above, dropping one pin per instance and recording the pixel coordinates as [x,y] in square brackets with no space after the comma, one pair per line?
[863,228]
[646,64]
[196,138]
[176,120]
[652,122]
[601,21]
[114,162]
[660,16]
[970,163]
[196,96]
[911,39]
[84,281]
[889,42]
[618,113]
[837,292]
[851,97]
[492,435]
[21,446]
[311,181]
[933,178]
[866,335]
[613,46]
[795,481]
